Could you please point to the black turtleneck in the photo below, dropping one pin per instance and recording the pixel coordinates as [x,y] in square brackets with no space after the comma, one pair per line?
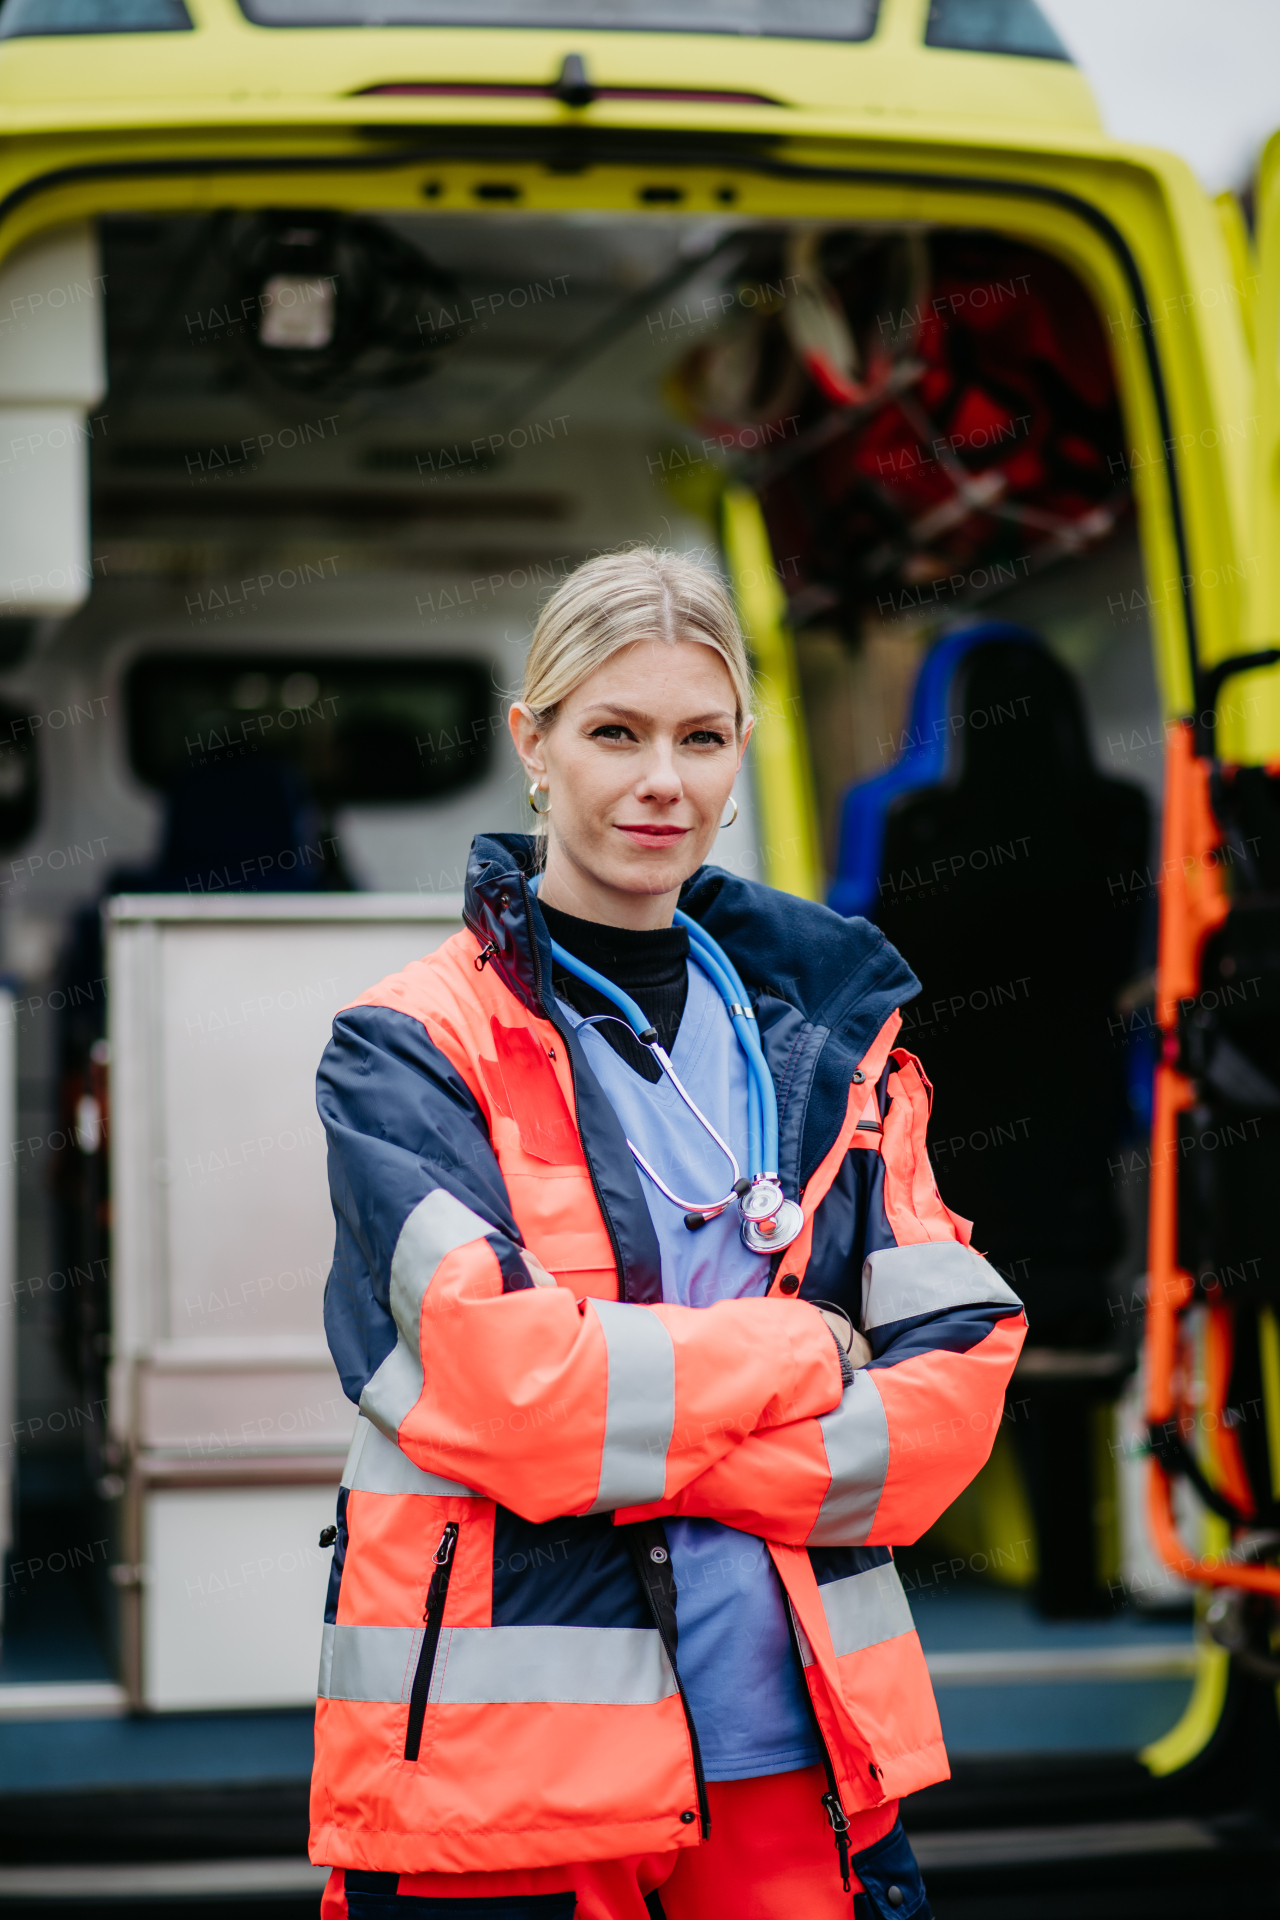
[652,966]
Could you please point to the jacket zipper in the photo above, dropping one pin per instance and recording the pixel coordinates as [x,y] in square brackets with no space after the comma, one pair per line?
[699,1778]
[832,1805]
[650,1555]
[488,952]
[432,1615]
[566,1034]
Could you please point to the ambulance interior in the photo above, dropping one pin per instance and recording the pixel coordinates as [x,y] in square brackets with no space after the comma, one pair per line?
[341,461]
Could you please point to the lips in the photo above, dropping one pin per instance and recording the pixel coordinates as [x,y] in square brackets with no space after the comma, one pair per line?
[652,836]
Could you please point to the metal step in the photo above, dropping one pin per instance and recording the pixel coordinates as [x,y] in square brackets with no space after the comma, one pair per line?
[1016,1846]
[1162,1659]
[163,1880]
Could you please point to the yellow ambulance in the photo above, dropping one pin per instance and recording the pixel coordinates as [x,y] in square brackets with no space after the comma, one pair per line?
[333,333]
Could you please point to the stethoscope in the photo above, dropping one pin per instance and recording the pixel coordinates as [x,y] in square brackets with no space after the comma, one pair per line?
[769,1220]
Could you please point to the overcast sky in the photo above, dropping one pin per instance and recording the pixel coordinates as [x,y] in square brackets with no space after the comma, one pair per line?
[1199,76]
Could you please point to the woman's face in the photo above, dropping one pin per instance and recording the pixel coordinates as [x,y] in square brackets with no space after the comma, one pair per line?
[638,765]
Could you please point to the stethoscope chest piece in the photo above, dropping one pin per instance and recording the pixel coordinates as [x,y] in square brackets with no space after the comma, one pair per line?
[769,1221]
[762,1199]
[774,1232]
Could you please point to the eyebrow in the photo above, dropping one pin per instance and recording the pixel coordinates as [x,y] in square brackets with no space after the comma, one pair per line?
[720,717]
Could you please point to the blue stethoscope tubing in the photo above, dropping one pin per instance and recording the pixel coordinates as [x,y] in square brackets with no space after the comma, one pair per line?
[762,1100]
[769,1221]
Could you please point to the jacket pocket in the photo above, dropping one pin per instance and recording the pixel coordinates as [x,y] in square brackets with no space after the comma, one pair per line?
[432,1616]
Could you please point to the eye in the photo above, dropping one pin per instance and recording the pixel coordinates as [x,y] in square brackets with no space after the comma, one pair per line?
[613,730]
[703,737]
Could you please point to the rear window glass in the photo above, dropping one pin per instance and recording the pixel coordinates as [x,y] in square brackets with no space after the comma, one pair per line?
[778,19]
[993,26]
[357,730]
[32,19]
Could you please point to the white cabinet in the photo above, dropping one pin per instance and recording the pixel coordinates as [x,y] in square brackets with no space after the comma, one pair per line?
[222,1394]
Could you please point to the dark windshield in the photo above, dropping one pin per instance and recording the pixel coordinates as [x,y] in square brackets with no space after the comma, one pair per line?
[993,26]
[32,19]
[358,729]
[784,19]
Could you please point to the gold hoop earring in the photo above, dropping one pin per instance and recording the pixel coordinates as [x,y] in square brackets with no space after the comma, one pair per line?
[733,816]
[534,791]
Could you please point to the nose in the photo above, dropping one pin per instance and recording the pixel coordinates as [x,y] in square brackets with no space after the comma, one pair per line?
[660,780]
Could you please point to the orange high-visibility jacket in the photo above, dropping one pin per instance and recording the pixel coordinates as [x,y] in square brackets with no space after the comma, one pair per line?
[498,1685]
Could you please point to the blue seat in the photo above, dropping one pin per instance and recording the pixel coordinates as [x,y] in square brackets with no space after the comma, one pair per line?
[923,763]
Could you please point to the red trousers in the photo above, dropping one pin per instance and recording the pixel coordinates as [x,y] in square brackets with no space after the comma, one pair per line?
[771,1856]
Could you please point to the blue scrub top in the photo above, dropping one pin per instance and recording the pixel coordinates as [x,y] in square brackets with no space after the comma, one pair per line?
[740,1673]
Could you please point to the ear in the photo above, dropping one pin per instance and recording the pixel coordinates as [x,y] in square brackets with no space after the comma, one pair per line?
[747,732]
[526,740]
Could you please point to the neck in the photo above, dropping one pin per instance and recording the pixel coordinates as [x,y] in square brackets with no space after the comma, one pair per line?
[569,890]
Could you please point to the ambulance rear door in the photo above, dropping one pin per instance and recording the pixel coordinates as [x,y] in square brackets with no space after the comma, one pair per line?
[1259,692]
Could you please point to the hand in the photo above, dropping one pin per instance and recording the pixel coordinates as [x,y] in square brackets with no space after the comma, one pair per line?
[849,1338]
[537,1272]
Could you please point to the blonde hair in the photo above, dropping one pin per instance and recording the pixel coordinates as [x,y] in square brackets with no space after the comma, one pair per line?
[617,598]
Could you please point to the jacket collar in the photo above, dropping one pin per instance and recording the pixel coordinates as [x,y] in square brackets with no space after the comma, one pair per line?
[502,913]
[838,974]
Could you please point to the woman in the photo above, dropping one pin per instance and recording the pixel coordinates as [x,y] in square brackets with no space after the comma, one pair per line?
[613,1627]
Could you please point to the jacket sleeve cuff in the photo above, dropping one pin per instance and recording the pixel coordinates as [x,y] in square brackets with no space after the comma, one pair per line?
[815,1380]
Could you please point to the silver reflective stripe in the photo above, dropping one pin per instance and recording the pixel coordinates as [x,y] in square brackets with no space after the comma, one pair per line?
[866,1608]
[368,1663]
[377,1465]
[436,1226]
[900,1282]
[587,1666]
[640,1411]
[807,1655]
[326,1662]
[488,1666]
[856,1437]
